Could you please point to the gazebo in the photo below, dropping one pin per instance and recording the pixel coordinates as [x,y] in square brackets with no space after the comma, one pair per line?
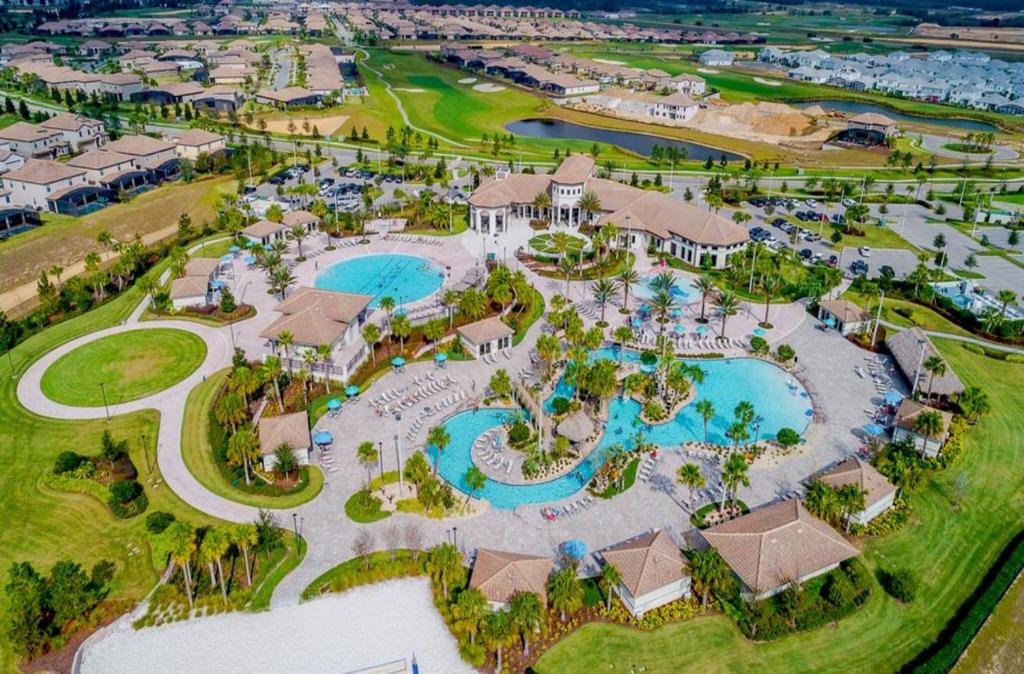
[577,427]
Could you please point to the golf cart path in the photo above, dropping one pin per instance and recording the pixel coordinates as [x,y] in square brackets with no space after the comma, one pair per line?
[960,338]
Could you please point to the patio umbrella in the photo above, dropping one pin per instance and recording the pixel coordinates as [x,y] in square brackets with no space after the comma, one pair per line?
[249,260]
[334,404]
[873,429]
[893,397]
[323,438]
[636,322]
[701,329]
[676,313]
[227,258]
[218,284]
[760,332]
[441,357]
[575,548]
[830,322]
[680,329]
[351,390]
[234,249]
[398,361]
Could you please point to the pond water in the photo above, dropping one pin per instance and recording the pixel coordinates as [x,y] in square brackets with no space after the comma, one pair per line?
[640,143]
[778,400]
[858,107]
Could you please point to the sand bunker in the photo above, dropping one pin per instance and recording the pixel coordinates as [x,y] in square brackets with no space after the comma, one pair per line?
[410,91]
[325,125]
[708,71]
[488,88]
[767,83]
[467,80]
[610,62]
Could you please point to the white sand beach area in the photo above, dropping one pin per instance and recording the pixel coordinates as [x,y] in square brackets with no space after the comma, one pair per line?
[363,628]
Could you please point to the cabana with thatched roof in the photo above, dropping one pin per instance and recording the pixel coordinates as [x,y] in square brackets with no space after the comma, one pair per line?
[577,427]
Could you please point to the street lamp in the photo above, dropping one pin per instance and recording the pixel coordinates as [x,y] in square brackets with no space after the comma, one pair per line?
[398,459]
[106,408]
[295,527]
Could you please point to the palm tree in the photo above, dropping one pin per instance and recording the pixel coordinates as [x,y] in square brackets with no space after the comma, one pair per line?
[286,340]
[709,572]
[769,286]
[527,612]
[499,632]
[565,592]
[852,500]
[706,409]
[387,303]
[324,352]
[603,289]
[371,334]
[444,564]
[231,410]
[242,448]
[542,202]
[626,279]
[822,502]
[438,437]
[402,328]
[243,536]
[1005,298]
[589,203]
[271,371]
[973,403]
[610,579]
[451,300]
[475,481]
[211,552]
[560,241]
[183,544]
[472,304]
[566,265]
[298,234]
[728,304]
[623,335]
[368,455]
[661,304]
[469,611]
[734,475]
[929,425]
[689,476]
[934,366]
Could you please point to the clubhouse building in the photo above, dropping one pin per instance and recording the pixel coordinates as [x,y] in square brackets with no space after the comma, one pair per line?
[645,219]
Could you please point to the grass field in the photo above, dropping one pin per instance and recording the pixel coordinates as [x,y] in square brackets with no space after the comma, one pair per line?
[43,526]
[545,243]
[920,316]
[198,454]
[65,240]
[999,645]
[875,236]
[949,550]
[130,365]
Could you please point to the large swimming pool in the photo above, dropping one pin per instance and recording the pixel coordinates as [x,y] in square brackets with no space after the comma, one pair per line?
[778,400]
[405,278]
[683,291]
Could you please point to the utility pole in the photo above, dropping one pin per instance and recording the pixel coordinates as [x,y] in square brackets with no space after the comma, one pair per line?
[878,319]
[398,459]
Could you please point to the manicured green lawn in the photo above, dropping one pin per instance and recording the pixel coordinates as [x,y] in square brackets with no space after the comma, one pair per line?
[43,526]
[130,365]
[215,248]
[545,243]
[949,550]
[875,236]
[199,458]
[920,316]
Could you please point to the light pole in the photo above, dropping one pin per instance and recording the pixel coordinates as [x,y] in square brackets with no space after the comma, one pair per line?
[878,318]
[398,459]
[106,408]
[380,458]
[295,527]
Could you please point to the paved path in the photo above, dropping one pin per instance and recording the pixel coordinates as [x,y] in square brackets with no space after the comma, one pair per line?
[935,145]
[995,346]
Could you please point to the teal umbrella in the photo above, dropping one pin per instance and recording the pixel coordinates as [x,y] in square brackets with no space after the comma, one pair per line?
[351,390]
[334,404]
[398,361]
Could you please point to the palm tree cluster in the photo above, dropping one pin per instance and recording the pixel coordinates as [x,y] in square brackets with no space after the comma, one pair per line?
[835,504]
[271,261]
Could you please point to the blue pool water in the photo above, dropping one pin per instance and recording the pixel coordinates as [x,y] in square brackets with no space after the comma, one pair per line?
[406,278]
[684,291]
[779,402]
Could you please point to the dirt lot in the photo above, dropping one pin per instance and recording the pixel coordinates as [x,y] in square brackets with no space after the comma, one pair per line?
[328,125]
[66,240]
[982,34]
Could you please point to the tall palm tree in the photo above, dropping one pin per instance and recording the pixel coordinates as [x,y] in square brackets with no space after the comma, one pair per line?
[440,438]
[689,476]
[401,328]
[734,475]
[271,372]
[183,545]
[661,304]
[527,613]
[626,279]
[935,366]
[499,632]
[242,448]
[706,409]
[710,573]
[324,352]
[1005,298]
[623,335]
[443,564]
[822,502]
[286,340]
[211,552]
[541,202]
[603,289]
[589,203]
[565,592]
[243,536]
[371,335]
[298,234]
[769,286]
[450,299]
[231,410]
[469,611]
[561,241]
[852,500]
[929,425]
[728,304]
[610,579]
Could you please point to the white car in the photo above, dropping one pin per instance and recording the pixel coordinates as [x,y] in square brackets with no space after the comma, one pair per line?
[810,203]
[864,251]
[847,201]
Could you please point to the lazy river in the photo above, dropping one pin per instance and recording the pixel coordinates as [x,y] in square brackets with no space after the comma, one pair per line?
[778,400]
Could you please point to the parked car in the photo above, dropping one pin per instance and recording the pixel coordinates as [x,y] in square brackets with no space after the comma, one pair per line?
[887,271]
[859,267]
[847,201]
[810,203]
[806,254]
[833,260]
[864,251]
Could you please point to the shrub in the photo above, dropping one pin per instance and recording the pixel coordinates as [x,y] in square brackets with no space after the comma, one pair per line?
[758,345]
[648,358]
[787,437]
[900,585]
[520,432]
[1014,358]
[124,491]
[974,348]
[785,353]
[560,405]
[157,522]
[66,462]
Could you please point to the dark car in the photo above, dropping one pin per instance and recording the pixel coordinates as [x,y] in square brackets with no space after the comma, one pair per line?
[887,271]
[806,254]
[833,260]
[778,222]
[859,267]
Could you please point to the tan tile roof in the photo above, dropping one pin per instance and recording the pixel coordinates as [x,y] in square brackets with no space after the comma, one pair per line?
[777,545]
[98,159]
[647,562]
[189,286]
[315,317]
[846,311]
[662,215]
[862,474]
[197,137]
[873,118]
[25,132]
[201,266]
[678,99]
[285,95]
[179,88]
[43,172]
[286,429]
[66,121]
[263,228]
[299,217]
[138,146]
[486,330]
[518,188]
[573,169]
[905,347]
[499,575]
[909,410]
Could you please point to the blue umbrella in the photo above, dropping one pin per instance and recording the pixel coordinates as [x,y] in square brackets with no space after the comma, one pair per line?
[830,322]
[575,548]
[218,284]
[701,329]
[441,357]
[334,404]
[267,246]
[873,429]
[249,260]
[351,390]
[226,258]
[398,361]
[676,313]
[680,329]
[323,438]
[234,249]
[893,397]
[760,332]
[637,322]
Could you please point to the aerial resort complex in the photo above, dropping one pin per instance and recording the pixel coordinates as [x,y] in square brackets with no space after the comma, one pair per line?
[407,336]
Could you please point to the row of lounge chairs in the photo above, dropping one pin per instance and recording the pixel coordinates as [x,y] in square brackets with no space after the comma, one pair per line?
[492,358]
[405,238]
[552,513]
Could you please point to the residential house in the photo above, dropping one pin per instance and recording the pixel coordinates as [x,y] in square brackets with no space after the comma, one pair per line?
[194,142]
[501,575]
[80,133]
[716,57]
[653,571]
[156,155]
[879,493]
[112,170]
[33,141]
[46,185]
[287,97]
[289,430]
